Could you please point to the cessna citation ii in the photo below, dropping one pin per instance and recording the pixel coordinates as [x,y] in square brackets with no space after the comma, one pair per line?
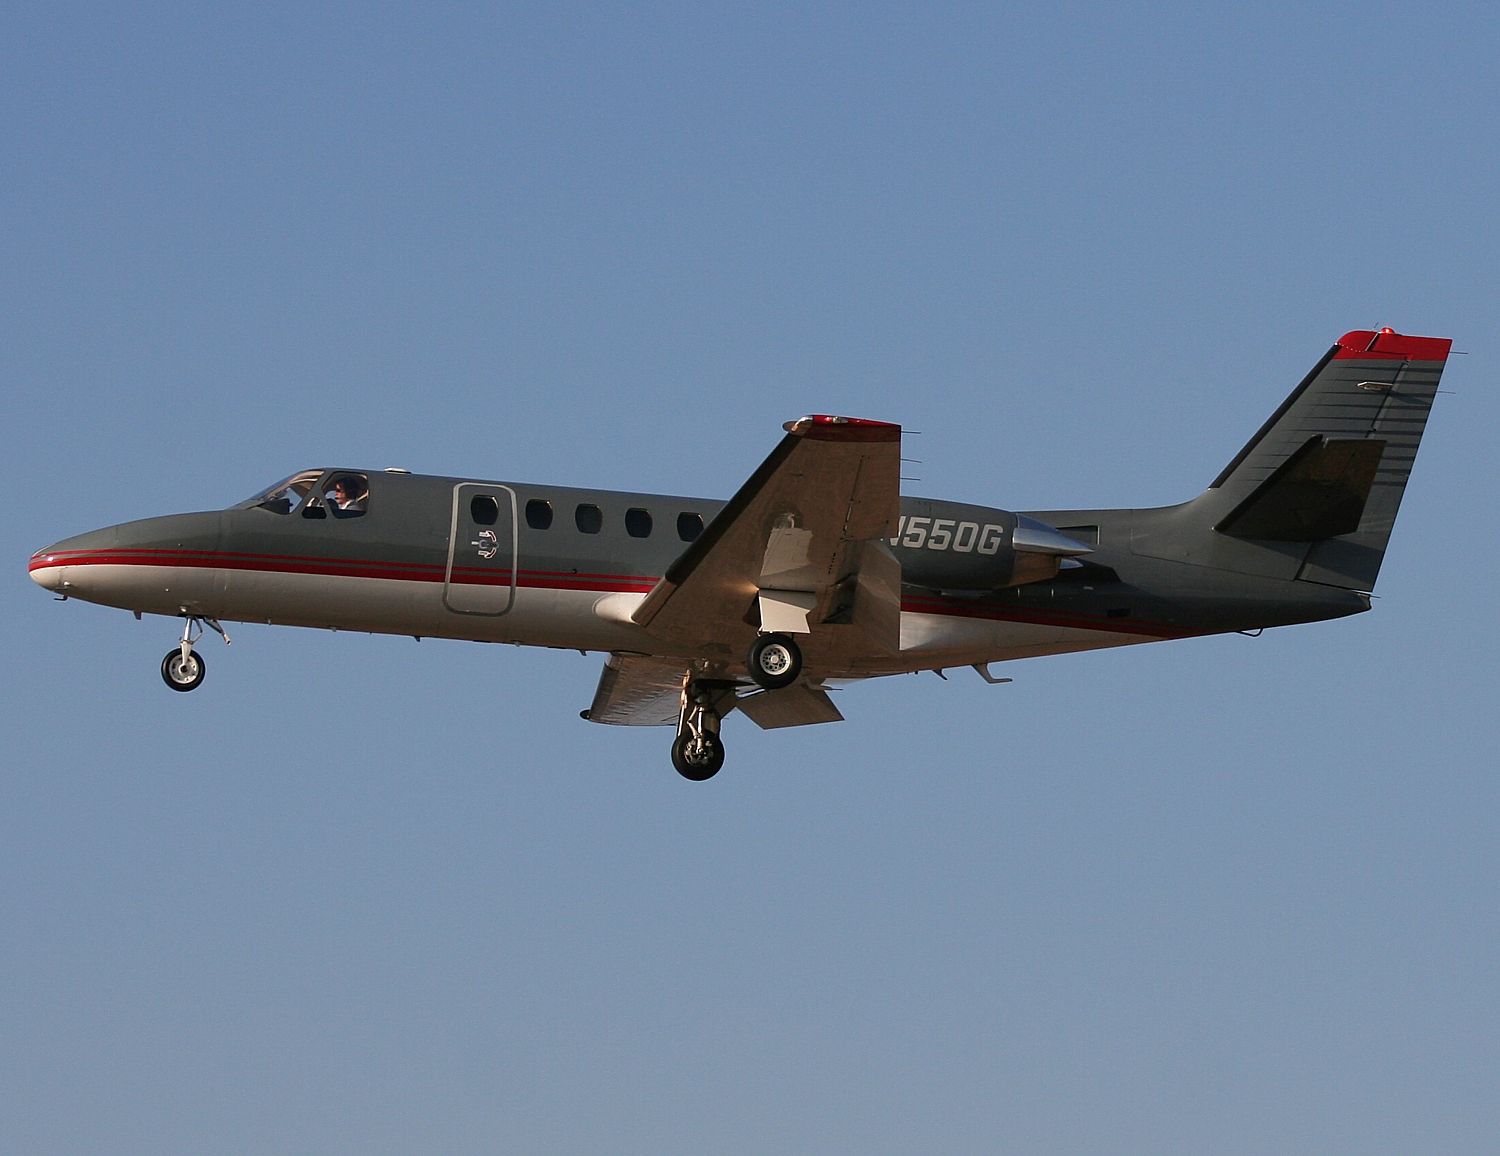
[815,572]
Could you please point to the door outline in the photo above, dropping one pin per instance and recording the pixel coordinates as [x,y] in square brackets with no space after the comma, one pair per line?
[481,597]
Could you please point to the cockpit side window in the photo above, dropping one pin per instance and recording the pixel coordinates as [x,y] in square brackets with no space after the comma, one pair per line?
[316,493]
[347,495]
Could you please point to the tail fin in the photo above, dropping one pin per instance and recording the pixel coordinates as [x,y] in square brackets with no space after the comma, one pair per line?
[1331,464]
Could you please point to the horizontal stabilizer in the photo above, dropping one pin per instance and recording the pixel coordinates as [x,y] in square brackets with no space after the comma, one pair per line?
[1319,492]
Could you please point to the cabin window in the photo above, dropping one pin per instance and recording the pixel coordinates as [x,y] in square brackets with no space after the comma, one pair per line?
[588,518]
[539,514]
[638,522]
[689,526]
[484,510]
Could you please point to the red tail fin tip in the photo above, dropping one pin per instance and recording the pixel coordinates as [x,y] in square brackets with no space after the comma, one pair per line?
[1388,345]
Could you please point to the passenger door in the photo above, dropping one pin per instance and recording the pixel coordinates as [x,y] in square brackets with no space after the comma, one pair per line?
[481,574]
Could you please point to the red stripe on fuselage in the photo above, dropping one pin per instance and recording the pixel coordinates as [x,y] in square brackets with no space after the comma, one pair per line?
[346,568]
[566,580]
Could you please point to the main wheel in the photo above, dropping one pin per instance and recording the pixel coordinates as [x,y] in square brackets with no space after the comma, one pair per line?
[180,673]
[698,760]
[775,661]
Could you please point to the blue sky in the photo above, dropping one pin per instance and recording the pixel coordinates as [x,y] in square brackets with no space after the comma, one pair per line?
[360,894]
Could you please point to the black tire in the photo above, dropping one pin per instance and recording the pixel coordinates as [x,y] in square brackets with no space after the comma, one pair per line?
[775,661]
[183,676]
[705,766]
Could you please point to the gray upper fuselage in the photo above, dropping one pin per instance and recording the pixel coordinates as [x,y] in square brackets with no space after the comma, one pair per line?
[421,528]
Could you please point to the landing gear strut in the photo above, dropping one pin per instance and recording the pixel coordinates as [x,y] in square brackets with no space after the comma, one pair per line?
[183,668]
[697,751]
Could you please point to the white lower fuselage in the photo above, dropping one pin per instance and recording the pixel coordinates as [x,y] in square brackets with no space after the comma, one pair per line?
[554,611]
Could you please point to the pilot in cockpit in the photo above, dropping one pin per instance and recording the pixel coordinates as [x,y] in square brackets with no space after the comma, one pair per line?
[349,495]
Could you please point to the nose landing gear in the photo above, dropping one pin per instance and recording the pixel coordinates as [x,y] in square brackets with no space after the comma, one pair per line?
[183,668]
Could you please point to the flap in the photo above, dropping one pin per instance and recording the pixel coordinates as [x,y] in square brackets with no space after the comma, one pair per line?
[798,705]
[642,691]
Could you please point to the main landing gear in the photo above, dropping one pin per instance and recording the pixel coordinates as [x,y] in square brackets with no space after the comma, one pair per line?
[775,661]
[183,668]
[697,751]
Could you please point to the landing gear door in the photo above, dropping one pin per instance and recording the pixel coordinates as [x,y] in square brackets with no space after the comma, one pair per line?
[481,574]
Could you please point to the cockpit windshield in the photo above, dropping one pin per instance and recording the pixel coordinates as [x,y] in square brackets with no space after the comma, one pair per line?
[284,496]
[315,493]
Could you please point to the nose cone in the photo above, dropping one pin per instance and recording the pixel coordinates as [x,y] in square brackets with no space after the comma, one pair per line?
[45,571]
[159,565]
[49,567]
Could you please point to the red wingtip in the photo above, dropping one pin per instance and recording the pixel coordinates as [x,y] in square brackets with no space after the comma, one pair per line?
[827,427]
[1388,345]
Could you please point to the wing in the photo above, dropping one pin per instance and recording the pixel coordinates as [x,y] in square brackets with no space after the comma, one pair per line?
[798,549]
[638,690]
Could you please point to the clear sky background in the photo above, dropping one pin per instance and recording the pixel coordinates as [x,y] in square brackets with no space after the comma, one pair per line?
[365,895]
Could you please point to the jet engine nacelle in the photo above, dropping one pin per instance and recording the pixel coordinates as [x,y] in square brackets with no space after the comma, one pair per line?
[951,547]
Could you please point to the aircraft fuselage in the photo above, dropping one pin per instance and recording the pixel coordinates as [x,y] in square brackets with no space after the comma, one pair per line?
[438,557]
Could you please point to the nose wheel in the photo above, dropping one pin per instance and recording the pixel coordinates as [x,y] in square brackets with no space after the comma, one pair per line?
[183,672]
[183,668]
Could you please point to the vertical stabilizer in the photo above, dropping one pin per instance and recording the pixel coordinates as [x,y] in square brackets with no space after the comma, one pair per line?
[1330,466]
